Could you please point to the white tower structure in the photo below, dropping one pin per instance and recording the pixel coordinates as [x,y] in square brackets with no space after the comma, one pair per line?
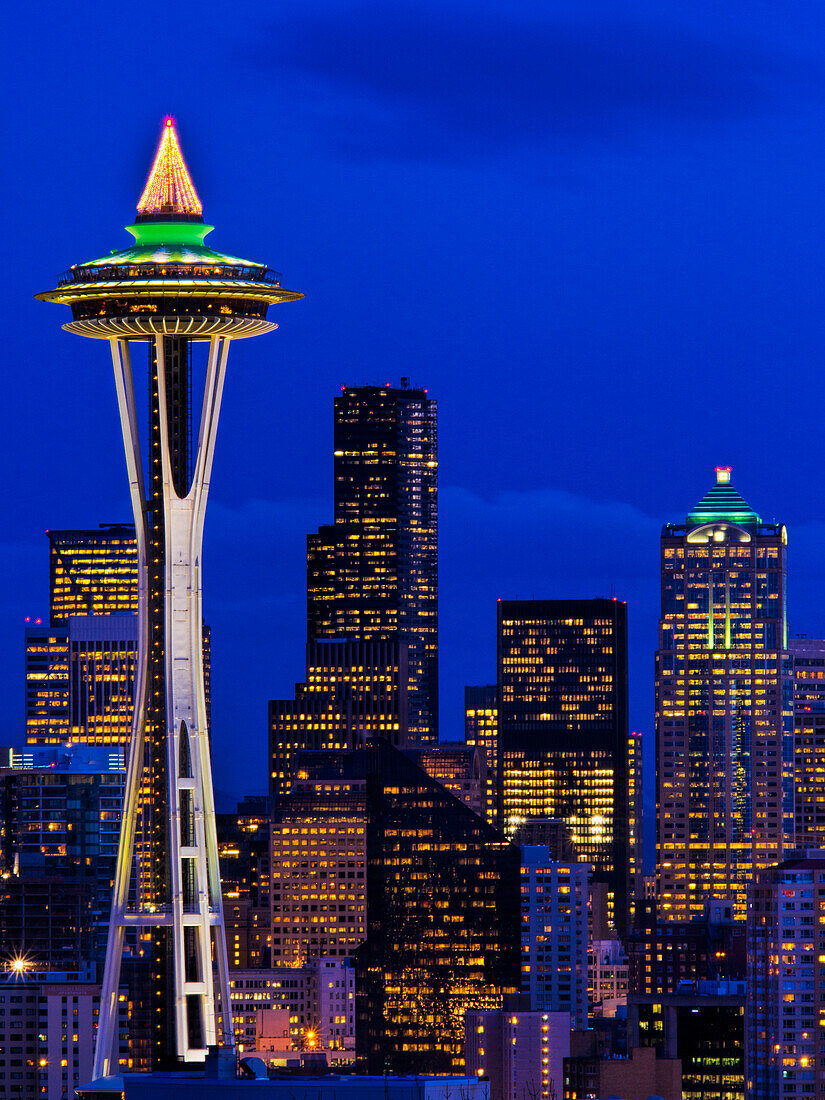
[168,291]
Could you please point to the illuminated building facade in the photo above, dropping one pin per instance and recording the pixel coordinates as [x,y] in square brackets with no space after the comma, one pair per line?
[170,294]
[554,934]
[481,731]
[724,715]
[520,1053]
[442,921]
[563,727]
[48,1024]
[243,850]
[784,1039]
[354,690]
[93,572]
[319,864]
[809,741]
[607,977]
[458,767]
[373,574]
[635,817]
[63,809]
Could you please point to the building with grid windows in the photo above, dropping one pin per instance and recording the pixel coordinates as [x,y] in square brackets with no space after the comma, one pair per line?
[724,704]
[442,920]
[563,728]
[784,1039]
[354,690]
[554,934]
[93,572]
[481,731]
[808,656]
[373,574]
[318,861]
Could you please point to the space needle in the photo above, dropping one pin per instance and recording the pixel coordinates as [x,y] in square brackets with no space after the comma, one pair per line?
[169,292]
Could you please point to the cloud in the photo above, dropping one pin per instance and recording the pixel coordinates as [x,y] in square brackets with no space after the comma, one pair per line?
[422,77]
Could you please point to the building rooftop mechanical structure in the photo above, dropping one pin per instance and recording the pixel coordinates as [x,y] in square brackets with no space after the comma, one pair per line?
[169,291]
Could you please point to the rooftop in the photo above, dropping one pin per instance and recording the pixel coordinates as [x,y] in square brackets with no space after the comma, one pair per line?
[721,503]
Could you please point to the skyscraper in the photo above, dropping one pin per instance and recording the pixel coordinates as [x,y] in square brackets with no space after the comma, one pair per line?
[563,727]
[442,920]
[373,574]
[481,731]
[808,656]
[169,291]
[93,572]
[784,1040]
[724,718]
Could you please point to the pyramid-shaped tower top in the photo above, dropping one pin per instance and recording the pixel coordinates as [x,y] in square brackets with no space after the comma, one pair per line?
[723,502]
[169,193]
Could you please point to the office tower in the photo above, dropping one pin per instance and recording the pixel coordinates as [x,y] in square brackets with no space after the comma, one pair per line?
[703,1025]
[93,572]
[80,680]
[458,767]
[442,921]
[353,691]
[243,850]
[724,718]
[554,934]
[48,1024]
[373,574]
[808,655]
[170,291]
[635,817]
[784,1042]
[521,1053]
[563,727]
[319,862]
[63,809]
[481,731]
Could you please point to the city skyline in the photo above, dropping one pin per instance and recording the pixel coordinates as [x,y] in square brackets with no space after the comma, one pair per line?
[523,489]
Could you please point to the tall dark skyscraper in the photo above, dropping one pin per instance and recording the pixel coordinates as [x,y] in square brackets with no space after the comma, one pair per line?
[724,705]
[373,574]
[443,920]
[563,727]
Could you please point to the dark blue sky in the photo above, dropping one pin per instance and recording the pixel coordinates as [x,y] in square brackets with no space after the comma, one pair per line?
[595,231]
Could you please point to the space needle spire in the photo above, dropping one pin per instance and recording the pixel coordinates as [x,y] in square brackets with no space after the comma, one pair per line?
[169,292]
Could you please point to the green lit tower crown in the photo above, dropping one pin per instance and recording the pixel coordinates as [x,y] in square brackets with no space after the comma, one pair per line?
[172,294]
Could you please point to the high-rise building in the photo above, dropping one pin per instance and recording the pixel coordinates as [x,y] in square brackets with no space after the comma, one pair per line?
[442,920]
[93,572]
[554,934]
[784,1042]
[724,715]
[809,741]
[373,574]
[319,863]
[481,731]
[354,690]
[170,291]
[635,817]
[563,727]
[63,820]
